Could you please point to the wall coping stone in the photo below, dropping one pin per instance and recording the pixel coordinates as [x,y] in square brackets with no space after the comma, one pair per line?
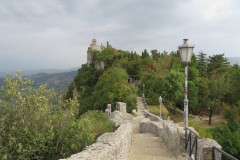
[109,146]
[174,136]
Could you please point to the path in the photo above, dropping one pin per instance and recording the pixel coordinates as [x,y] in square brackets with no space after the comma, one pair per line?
[146,146]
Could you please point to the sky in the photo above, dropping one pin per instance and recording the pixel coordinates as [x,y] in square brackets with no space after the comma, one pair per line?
[55,34]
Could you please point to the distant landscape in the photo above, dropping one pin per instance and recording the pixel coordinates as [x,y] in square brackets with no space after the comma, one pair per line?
[58,81]
[234,60]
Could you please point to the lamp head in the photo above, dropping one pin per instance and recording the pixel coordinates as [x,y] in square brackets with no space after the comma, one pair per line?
[186,51]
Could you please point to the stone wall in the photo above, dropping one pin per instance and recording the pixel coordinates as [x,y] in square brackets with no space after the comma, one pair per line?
[174,136]
[110,146]
[171,134]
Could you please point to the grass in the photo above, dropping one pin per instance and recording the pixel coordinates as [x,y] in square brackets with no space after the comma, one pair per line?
[201,126]
[155,109]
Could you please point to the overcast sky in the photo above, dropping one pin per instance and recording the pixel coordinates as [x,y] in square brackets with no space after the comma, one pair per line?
[41,34]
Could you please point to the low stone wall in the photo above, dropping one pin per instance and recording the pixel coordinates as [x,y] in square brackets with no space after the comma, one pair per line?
[151,116]
[171,134]
[174,136]
[110,146]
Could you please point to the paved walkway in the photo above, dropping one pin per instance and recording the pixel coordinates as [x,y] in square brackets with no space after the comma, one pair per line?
[146,146]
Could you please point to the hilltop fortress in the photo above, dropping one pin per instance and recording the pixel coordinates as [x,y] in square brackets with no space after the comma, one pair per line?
[93,47]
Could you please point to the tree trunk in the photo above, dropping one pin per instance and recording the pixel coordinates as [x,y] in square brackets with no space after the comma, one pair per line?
[210,116]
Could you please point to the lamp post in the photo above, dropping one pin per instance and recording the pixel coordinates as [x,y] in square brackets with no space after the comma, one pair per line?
[143,88]
[186,51]
[160,102]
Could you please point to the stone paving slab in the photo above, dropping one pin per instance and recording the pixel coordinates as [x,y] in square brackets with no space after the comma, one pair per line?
[146,146]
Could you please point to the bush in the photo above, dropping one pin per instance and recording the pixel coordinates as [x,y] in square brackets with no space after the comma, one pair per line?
[203,132]
[33,127]
[99,122]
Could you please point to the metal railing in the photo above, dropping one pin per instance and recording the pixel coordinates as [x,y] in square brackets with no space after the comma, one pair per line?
[191,143]
[218,154]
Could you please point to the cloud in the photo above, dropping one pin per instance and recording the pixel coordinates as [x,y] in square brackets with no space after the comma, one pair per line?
[56,34]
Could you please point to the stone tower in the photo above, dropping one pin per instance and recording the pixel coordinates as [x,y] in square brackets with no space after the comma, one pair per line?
[93,47]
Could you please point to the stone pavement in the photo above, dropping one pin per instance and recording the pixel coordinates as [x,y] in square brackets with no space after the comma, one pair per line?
[146,146]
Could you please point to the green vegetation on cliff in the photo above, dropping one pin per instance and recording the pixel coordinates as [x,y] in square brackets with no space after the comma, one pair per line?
[213,82]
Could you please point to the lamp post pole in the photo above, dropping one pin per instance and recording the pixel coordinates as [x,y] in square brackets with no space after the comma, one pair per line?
[186,55]
[160,107]
[186,98]
[143,88]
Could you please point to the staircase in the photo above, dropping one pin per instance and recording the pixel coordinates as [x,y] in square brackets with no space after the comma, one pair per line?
[146,146]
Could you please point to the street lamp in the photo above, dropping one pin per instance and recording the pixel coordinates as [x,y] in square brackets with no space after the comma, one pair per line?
[186,51]
[160,102]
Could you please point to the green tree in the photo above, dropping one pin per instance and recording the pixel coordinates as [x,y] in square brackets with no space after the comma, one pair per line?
[155,54]
[202,63]
[228,135]
[145,54]
[34,126]
[113,86]
[218,64]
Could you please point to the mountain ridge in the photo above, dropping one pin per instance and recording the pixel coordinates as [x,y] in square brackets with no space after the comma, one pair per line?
[33,72]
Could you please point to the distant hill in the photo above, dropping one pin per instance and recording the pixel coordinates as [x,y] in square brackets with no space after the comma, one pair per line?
[58,81]
[234,60]
[32,72]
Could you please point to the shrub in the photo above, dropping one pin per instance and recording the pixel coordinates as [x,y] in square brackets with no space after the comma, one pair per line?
[99,122]
[33,127]
[203,132]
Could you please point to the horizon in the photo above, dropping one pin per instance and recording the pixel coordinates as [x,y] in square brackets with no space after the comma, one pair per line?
[55,70]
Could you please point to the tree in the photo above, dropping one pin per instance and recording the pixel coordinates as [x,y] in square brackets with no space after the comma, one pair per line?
[228,135]
[217,64]
[33,127]
[145,54]
[202,62]
[113,86]
[155,54]
[234,87]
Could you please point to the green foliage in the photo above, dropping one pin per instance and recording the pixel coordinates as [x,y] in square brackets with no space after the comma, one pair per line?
[33,127]
[228,139]
[203,132]
[193,95]
[234,87]
[145,54]
[87,76]
[228,135]
[155,54]
[212,82]
[217,64]
[113,86]
[154,109]
[202,63]
[99,122]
